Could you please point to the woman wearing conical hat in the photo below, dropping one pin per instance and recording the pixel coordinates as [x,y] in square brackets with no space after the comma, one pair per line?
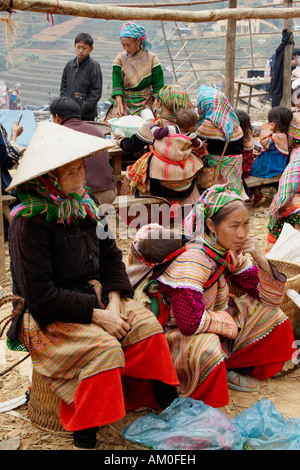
[98,350]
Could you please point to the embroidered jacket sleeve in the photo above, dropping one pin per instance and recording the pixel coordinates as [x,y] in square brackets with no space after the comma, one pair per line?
[259,283]
[183,282]
[187,308]
[266,133]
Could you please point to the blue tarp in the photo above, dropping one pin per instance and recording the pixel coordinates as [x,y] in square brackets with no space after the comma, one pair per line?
[8,117]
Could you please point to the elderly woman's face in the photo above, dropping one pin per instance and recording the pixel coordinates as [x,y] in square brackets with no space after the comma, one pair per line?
[131,45]
[71,177]
[232,232]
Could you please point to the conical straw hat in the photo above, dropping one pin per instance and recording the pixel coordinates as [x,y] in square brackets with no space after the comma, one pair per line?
[53,146]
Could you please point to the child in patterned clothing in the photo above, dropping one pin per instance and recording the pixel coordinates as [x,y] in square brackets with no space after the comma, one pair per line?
[273,158]
[164,144]
[248,156]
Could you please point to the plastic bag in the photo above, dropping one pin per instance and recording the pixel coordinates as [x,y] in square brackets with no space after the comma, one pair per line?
[265,428]
[186,424]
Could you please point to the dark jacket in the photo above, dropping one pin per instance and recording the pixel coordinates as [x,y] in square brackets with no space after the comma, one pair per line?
[83,81]
[8,157]
[99,172]
[51,265]
[277,77]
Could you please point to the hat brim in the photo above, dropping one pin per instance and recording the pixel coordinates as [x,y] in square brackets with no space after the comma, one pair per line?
[53,146]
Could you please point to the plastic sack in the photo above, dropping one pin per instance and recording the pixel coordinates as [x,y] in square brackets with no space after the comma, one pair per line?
[186,424]
[265,428]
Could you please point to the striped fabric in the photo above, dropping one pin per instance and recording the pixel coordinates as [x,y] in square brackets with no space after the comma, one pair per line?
[67,353]
[196,356]
[175,161]
[280,139]
[286,200]
[294,129]
[175,97]
[135,68]
[231,165]
[133,30]
[43,195]
[207,130]
[248,142]
[214,199]
[231,169]
[214,106]
[136,101]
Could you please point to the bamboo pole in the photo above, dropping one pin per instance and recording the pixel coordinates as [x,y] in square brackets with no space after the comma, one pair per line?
[230,55]
[111,12]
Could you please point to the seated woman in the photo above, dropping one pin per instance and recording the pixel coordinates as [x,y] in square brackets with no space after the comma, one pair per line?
[137,73]
[146,175]
[219,126]
[99,350]
[217,340]
[285,206]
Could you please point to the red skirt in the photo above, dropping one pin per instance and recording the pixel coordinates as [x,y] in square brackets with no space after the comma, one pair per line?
[266,356]
[104,398]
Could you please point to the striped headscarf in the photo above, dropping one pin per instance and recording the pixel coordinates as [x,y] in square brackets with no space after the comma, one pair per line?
[214,106]
[175,97]
[209,203]
[132,30]
[288,187]
[43,195]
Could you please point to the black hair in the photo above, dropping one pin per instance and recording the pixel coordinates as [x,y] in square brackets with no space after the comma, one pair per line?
[225,211]
[296,51]
[86,38]
[186,118]
[244,121]
[156,249]
[282,116]
[65,107]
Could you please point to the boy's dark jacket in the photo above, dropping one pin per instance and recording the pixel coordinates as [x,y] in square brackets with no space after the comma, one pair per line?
[83,81]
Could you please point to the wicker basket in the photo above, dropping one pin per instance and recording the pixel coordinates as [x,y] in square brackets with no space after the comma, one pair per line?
[44,406]
[206,177]
[292,272]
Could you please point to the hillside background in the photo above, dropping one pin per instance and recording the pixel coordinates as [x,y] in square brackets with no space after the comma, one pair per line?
[36,53]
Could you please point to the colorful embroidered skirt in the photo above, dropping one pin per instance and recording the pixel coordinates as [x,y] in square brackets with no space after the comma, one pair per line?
[201,360]
[80,361]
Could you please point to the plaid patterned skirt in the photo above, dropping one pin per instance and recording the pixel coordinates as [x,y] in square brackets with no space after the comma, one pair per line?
[66,353]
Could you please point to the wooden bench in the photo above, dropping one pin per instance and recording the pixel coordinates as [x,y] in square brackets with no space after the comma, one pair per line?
[253,181]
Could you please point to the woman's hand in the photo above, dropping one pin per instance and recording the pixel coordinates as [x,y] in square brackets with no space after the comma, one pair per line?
[251,246]
[16,130]
[119,134]
[119,111]
[111,321]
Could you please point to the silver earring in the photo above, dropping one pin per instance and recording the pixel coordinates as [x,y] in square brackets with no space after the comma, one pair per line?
[214,237]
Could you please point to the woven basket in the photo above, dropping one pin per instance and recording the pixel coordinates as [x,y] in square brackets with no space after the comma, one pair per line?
[44,406]
[206,177]
[292,272]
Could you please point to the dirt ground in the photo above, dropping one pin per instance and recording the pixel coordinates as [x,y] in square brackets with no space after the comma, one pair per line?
[16,428]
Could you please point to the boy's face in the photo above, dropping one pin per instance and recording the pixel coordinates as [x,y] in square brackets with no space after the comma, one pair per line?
[82,50]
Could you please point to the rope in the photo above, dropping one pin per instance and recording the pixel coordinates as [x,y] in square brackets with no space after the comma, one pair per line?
[6,320]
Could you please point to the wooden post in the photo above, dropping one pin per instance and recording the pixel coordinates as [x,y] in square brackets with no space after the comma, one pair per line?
[286,77]
[230,55]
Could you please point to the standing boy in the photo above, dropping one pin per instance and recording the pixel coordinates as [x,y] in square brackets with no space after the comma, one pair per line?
[82,78]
